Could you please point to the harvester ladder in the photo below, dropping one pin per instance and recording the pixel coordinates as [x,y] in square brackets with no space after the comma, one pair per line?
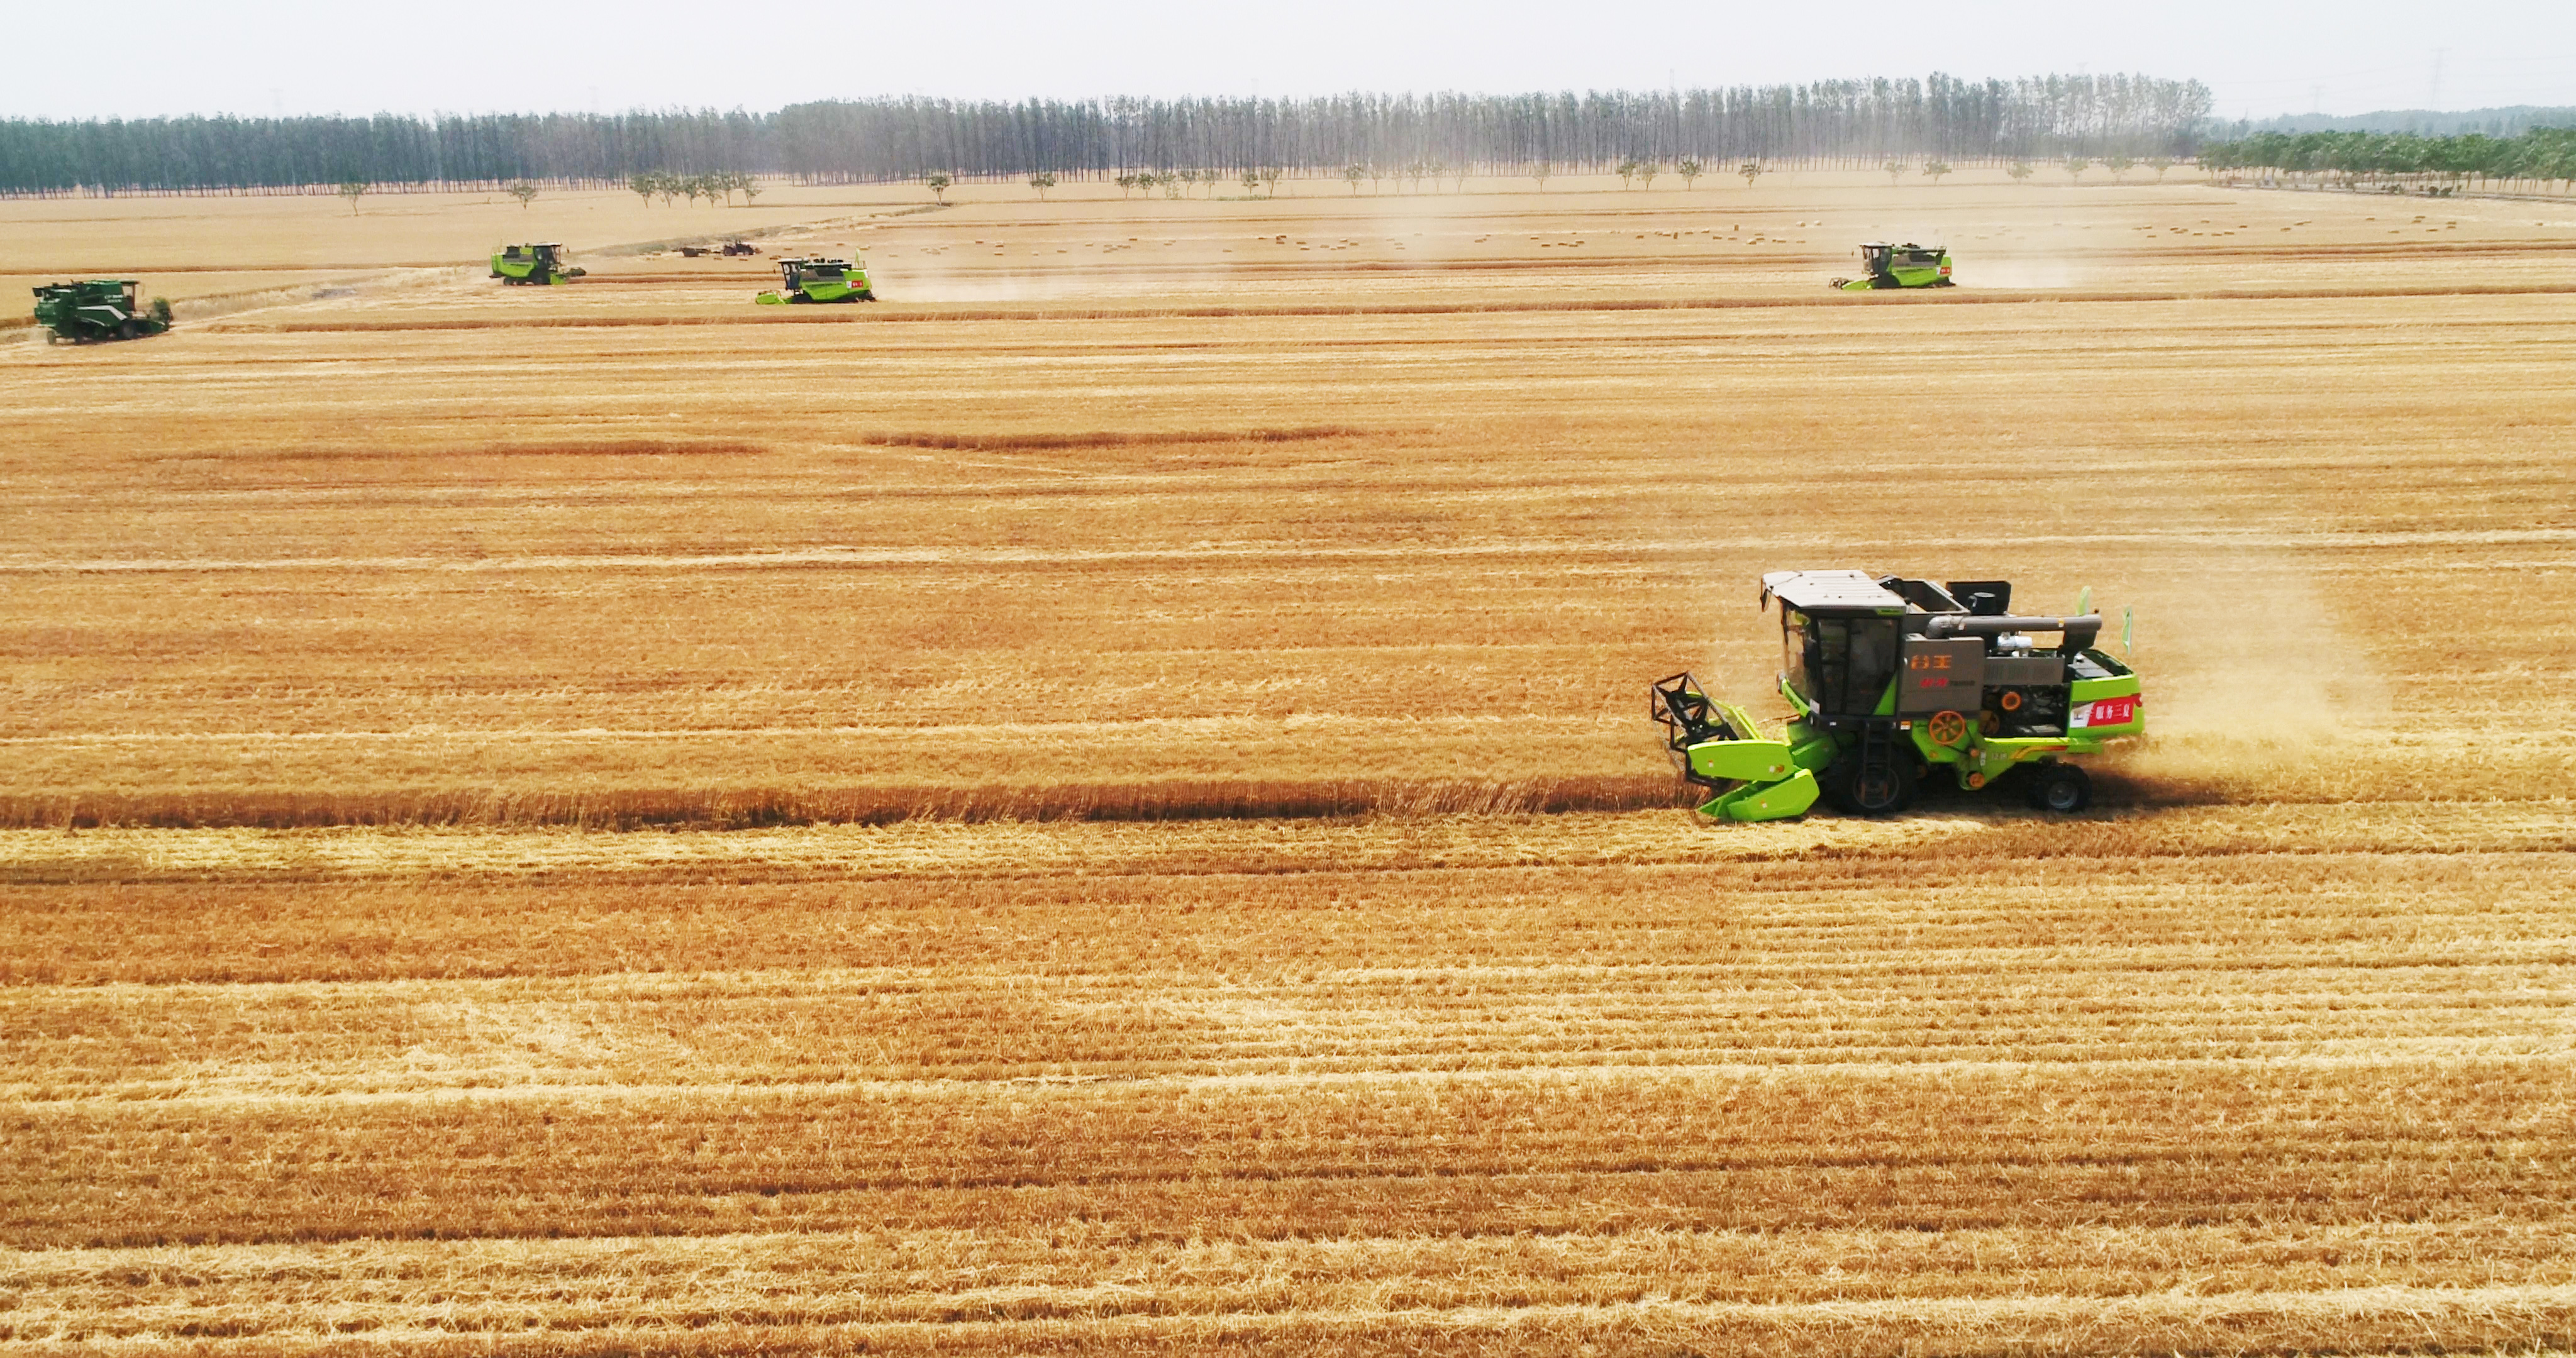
[1877,752]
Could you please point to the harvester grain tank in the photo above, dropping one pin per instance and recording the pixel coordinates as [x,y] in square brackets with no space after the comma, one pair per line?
[1900,266]
[540,265]
[98,309]
[820,280]
[1890,681]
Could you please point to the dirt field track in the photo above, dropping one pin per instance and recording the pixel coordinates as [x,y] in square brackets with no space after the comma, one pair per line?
[1104,803]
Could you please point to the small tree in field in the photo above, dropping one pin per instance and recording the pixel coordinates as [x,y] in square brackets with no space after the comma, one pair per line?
[1751,170]
[750,188]
[1251,183]
[524,192]
[1437,170]
[938,182]
[1188,179]
[642,186]
[1172,183]
[2019,170]
[1628,172]
[2075,167]
[1355,172]
[1042,181]
[668,185]
[2159,164]
[2117,165]
[1895,170]
[353,190]
[1934,169]
[1540,172]
[1646,172]
[1270,176]
[1689,170]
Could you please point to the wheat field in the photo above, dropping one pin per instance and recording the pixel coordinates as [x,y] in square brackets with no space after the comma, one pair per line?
[1104,804]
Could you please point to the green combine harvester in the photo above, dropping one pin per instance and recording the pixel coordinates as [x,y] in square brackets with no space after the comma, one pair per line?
[1900,266]
[98,309]
[820,280]
[1890,679]
[533,265]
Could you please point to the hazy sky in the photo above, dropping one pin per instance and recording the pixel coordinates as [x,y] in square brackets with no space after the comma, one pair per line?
[2261,57]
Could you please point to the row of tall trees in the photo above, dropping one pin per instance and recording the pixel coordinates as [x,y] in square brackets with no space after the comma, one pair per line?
[1841,122]
[226,154]
[2538,158]
[1830,122]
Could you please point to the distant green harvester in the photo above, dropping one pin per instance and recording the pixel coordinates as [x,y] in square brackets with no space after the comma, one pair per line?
[1900,266]
[532,265]
[98,309]
[1890,679]
[819,280]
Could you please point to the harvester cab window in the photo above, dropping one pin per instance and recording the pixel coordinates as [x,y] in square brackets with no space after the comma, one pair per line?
[1841,665]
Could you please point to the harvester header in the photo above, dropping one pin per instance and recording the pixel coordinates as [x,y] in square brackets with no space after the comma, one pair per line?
[1889,678]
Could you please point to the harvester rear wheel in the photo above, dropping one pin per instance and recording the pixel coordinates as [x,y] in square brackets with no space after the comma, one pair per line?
[2062,788]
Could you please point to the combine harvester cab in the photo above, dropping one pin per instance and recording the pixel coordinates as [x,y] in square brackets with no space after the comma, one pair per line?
[820,280]
[98,309]
[540,265]
[1890,680]
[1900,266]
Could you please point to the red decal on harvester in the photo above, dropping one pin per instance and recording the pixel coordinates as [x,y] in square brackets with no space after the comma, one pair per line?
[2110,711]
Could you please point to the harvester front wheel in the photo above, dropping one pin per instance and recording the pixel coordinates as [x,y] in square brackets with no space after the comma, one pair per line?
[2062,788]
[1880,792]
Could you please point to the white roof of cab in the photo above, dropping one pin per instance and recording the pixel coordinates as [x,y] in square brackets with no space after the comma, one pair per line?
[1808,591]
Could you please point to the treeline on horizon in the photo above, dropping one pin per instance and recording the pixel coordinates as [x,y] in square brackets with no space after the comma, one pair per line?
[877,140]
[2541,155]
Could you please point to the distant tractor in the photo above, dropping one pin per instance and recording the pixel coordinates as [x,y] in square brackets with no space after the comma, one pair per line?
[1900,266]
[1889,679]
[539,265]
[98,309]
[820,280]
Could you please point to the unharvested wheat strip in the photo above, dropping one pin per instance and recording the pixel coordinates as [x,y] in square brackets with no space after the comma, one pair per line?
[1573,839]
[1015,556]
[1376,1073]
[2349,1320]
[486,1287]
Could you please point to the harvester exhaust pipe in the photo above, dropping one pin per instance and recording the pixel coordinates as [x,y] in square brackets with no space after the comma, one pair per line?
[2080,631]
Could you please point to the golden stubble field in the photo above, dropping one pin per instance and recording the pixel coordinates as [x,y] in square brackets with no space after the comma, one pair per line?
[1104,803]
